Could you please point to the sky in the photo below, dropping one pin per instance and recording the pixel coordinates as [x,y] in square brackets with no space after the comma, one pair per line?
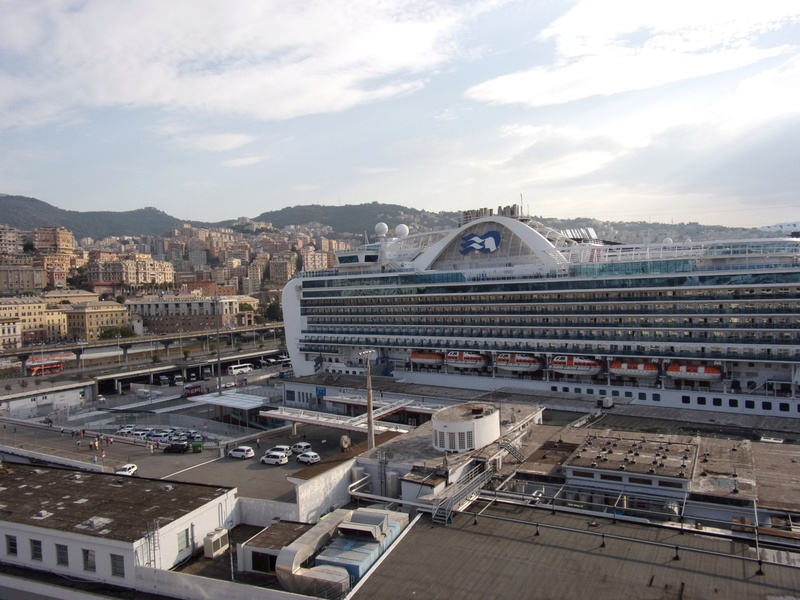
[620,110]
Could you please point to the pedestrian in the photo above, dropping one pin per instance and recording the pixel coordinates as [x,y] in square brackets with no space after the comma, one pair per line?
[62,432]
[103,454]
[94,459]
[258,443]
[110,441]
[91,446]
[151,448]
[72,433]
[79,444]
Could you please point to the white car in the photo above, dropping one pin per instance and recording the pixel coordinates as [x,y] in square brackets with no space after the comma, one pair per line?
[129,470]
[241,452]
[285,450]
[301,447]
[274,458]
[308,457]
[126,430]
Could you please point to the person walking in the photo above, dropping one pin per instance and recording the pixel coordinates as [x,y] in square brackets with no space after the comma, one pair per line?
[258,443]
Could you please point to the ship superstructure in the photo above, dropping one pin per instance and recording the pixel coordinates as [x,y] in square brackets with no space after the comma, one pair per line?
[502,300]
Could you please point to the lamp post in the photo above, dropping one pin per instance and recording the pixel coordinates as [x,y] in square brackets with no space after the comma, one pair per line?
[215,303]
[370,425]
[119,351]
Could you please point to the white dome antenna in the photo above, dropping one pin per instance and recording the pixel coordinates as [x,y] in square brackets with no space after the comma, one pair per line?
[401,231]
[381,229]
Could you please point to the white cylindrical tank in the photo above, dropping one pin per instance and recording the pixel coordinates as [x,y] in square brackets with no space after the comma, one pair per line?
[356,474]
[393,484]
[465,427]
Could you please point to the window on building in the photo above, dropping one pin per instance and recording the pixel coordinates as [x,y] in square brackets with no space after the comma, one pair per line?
[36,550]
[117,565]
[183,540]
[11,545]
[62,555]
[89,563]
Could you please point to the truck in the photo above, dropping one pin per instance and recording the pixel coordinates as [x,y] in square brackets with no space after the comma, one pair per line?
[143,394]
[178,380]
[163,381]
[206,373]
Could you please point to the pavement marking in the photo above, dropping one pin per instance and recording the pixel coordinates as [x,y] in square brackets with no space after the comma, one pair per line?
[192,467]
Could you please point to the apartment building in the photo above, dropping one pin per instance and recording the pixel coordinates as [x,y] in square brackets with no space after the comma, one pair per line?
[10,333]
[22,279]
[53,240]
[189,312]
[31,313]
[87,320]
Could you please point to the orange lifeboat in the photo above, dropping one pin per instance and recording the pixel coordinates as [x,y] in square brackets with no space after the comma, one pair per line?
[694,372]
[465,360]
[633,369]
[510,361]
[575,365]
[431,359]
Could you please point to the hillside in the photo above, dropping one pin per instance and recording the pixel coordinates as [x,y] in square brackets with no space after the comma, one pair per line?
[28,213]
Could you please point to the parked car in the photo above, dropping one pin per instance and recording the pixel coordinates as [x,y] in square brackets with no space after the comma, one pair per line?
[274,458]
[125,430]
[301,447]
[241,452]
[285,450]
[308,457]
[179,447]
[129,469]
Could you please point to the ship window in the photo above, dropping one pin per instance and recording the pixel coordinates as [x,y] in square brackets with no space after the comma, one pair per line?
[577,390]
[783,407]
[642,396]
[583,474]
[686,399]
[766,405]
[749,404]
[640,480]
[733,402]
[615,393]
[605,477]
[701,400]
[657,397]
[565,389]
[590,391]
[717,401]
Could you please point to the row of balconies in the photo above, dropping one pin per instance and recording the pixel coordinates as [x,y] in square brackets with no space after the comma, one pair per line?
[310,345]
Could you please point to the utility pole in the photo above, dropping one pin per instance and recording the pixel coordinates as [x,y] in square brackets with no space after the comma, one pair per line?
[370,424]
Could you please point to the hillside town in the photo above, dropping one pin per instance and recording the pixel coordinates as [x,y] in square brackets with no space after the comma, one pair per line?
[55,288]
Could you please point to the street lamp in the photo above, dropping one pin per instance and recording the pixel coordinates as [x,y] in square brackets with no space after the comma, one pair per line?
[370,425]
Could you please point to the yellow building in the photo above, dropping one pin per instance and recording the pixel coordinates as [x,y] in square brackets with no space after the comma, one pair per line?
[87,320]
[30,312]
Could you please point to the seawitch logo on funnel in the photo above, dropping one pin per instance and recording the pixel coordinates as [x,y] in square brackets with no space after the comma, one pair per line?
[488,242]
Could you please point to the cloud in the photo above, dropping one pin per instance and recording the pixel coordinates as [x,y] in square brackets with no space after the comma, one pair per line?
[266,60]
[245,161]
[220,142]
[624,45]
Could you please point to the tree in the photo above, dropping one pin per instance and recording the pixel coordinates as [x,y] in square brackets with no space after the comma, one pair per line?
[156,359]
[8,387]
[23,383]
[246,307]
[273,311]
[186,355]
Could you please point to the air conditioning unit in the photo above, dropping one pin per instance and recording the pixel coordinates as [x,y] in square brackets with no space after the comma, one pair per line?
[216,542]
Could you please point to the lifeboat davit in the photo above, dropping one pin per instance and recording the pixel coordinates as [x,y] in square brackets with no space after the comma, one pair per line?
[431,359]
[575,365]
[694,372]
[510,361]
[465,360]
[633,369]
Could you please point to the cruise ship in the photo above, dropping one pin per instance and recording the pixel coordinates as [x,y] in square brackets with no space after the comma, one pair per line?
[503,301]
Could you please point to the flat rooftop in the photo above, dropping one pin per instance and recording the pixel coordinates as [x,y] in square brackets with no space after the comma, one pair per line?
[502,554]
[101,505]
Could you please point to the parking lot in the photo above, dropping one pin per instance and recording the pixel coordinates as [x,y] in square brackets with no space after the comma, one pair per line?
[209,466]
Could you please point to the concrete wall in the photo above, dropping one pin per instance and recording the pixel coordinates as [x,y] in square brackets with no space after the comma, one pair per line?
[75,543]
[320,495]
[253,511]
[191,587]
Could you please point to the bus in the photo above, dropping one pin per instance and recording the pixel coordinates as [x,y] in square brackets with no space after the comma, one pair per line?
[45,368]
[192,389]
[239,369]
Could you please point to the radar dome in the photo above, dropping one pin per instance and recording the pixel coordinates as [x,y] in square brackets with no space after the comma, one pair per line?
[667,240]
[381,228]
[401,231]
